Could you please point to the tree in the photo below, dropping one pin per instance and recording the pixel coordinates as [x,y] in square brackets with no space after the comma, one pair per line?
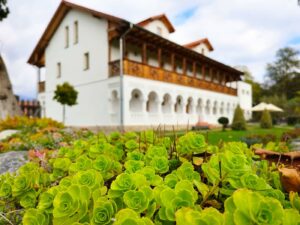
[238,122]
[65,94]
[224,121]
[282,73]
[4,11]
[266,120]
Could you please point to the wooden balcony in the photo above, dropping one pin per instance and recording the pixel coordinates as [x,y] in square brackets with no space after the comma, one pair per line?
[41,86]
[154,73]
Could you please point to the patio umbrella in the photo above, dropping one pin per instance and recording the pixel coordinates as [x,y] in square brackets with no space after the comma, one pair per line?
[274,108]
[270,107]
[260,107]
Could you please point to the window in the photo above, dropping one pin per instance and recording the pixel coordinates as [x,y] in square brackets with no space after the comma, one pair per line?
[159,31]
[86,61]
[75,32]
[66,37]
[58,66]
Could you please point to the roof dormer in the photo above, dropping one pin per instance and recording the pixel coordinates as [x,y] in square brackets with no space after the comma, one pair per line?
[159,25]
[202,46]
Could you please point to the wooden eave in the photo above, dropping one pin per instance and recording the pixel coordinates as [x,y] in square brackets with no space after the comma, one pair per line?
[198,42]
[36,57]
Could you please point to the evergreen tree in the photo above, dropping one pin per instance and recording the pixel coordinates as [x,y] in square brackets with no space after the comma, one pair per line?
[266,120]
[238,122]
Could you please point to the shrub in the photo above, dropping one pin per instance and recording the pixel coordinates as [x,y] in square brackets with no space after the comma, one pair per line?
[292,120]
[224,121]
[238,122]
[266,120]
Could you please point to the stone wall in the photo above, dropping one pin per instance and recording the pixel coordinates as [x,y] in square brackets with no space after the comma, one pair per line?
[8,102]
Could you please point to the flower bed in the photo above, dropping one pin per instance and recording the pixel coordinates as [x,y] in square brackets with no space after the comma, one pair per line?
[147,179]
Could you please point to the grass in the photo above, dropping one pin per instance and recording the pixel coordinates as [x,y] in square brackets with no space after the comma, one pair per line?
[214,136]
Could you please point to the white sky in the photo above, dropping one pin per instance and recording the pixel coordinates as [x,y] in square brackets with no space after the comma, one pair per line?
[242,32]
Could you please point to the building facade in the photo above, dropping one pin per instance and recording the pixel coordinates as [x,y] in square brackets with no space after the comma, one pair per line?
[132,74]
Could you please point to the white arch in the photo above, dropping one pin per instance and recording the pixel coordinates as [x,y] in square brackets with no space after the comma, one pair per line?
[207,107]
[166,104]
[115,102]
[152,102]
[190,106]
[136,101]
[215,108]
[222,108]
[179,104]
[199,107]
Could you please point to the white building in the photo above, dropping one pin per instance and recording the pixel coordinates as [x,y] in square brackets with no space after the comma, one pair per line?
[158,82]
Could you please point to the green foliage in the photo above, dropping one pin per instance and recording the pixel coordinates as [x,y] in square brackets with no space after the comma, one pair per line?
[224,122]
[191,143]
[247,207]
[65,94]
[99,180]
[238,122]
[266,120]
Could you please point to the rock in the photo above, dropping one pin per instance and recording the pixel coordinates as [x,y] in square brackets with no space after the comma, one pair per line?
[6,133]
[8,102]
[11,161]
[290,179]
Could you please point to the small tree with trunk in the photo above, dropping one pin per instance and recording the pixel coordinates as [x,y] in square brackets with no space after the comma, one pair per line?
[224,121]
[238,122]
[65,94]
[266,120]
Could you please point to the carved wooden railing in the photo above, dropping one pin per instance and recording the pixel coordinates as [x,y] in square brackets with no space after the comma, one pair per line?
[41,86]
[149,72]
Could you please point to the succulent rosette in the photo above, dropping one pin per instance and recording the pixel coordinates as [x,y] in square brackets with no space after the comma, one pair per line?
[208,216]
[136,200]
[132,166]
[156,151]
[45,201]
[90,178]
[130,217]
[171,200]
[135,155]
[248,207]
[22,184]
[62,164]
[71,205]
[186,172]
[160,164]
[103,212]
[152,178]
[35,217]
[5,190]
[28,199]
[131,145]
[124,182]
[191,143]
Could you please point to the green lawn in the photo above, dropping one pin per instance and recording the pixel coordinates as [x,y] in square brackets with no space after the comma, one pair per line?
[214,136]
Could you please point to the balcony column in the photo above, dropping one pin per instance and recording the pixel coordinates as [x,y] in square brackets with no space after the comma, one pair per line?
[184,66]
[159,58]
[194,69]
[203,71]
[173,62]
[144,53]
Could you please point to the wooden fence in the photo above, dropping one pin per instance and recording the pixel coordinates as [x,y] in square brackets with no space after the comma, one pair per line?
[30,108]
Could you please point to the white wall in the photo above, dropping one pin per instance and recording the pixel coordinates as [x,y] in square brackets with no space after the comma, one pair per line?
[92,84]
[202,49]
[146,86]
[245,98]
[152,26]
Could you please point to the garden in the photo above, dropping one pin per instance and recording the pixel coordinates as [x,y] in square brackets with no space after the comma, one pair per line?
[151,177]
